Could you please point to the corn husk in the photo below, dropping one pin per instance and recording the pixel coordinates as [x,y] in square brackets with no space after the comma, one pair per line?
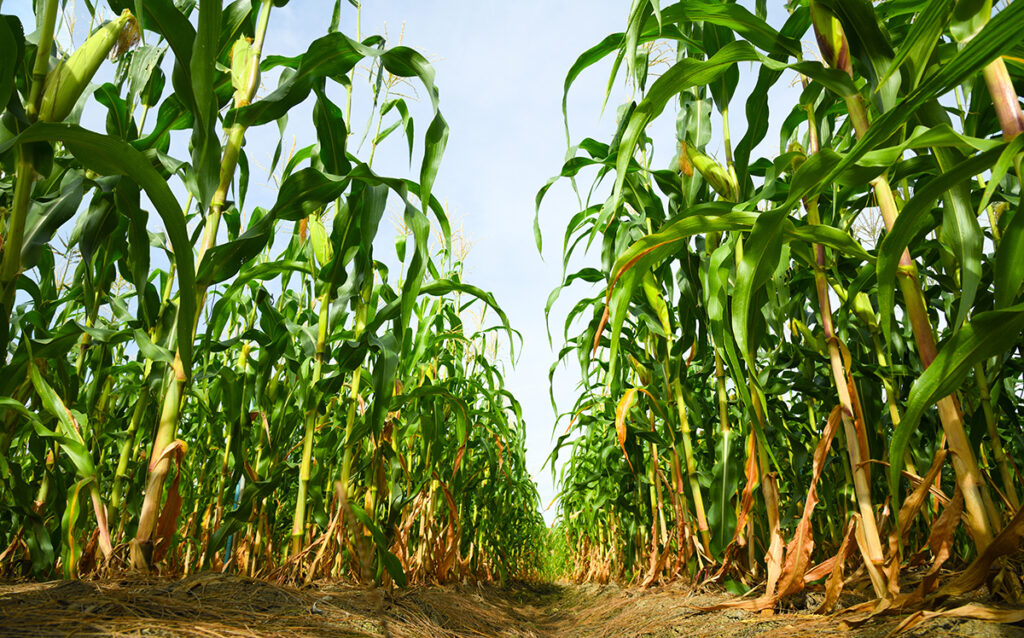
[714,173]
[66,83]
[245,67]
[832,42]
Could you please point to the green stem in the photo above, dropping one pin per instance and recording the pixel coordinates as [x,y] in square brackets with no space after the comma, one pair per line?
[42,62]
[352,75]
[347,458]
[10,265]
[1004,98]
[969,477]
[312,414]
[857,451]
[171,406]
[995,441]
[127,451]
[159,466]
[691,467]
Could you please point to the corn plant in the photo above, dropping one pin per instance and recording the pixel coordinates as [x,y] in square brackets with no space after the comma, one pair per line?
[777,316]
[230,385]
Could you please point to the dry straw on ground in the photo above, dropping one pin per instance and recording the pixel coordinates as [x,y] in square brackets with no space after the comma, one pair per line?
[224,606]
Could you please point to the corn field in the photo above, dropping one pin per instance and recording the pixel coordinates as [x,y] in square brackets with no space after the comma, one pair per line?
[801,358]
[191,382]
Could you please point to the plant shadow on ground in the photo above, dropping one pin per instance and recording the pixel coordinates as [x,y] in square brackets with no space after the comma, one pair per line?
[230,606]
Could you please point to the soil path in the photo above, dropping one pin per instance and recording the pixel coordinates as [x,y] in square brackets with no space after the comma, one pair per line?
[228,606]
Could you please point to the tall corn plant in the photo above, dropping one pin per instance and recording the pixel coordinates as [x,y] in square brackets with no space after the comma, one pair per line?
[234,401]
[748,356]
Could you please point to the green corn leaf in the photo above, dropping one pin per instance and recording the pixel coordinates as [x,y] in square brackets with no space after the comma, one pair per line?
[333,55]
[391,562]
[761,253]
[723,87]
[226,259]
[46,217]
[305,192]
[924,35]
[388,350]
[119,121]
[1009,268]
[110,156]
[969,16]
[434,145]
[1000,169]
[726,473]
[332,134]
[1000,33]
[870,43]
[162,17]
[638,11]
[757,108]
[171,116]
[150,350]
[10,404]
[684,74]
[962,234]
[732,16]
[235,22]
[72,550]
[986,335]
[11,42]
[205,144]
[70,438]
[910,222]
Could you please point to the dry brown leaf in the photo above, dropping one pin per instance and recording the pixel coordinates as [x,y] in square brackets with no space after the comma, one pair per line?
[834,584]
[971,610]
[746,504]
[600,329]
[167,524]
[798,552]
[621,410]
[940,541]
[1007,542]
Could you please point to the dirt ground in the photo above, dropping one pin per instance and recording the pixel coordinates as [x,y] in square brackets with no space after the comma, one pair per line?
[215,605]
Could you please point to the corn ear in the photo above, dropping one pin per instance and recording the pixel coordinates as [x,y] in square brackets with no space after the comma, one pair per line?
[720,179]
[799,154]
[832,42]
[817,342]
[863,309]
[66,83]
[243,356]
[322,249]
[653,294]
[642,371]
[245,68]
